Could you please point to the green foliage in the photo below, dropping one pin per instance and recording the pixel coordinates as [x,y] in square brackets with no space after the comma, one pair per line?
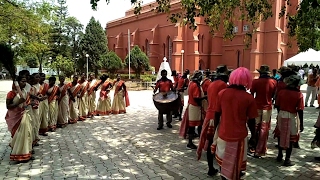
[93,43]
[31,61]
[217,13]
[143,77]
[139,61]
[64,65]
[111,62]
[305,24]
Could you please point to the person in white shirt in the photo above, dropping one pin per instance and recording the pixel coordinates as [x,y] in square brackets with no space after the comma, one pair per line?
[301,73]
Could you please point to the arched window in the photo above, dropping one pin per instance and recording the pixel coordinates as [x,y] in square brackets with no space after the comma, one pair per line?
[147,47]
[202,41]
[143,50]
[114,47]
[238,58]
[169,53]
[199,42]
[164,49]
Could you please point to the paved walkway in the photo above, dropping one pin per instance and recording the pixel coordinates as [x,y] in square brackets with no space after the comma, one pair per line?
[129,147]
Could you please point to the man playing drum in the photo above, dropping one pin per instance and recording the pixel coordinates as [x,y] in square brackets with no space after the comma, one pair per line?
[164,85]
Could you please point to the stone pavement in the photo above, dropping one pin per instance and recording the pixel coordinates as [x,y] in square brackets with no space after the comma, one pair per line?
[129,147]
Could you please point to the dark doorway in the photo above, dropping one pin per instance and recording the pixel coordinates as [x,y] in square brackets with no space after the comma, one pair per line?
[238,58]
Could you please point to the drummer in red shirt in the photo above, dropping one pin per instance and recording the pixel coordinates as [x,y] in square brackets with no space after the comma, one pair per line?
[164,85]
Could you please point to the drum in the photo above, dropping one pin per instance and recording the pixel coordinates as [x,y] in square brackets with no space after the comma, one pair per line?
[166,102]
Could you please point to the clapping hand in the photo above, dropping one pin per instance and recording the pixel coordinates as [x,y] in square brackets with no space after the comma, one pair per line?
[21,100]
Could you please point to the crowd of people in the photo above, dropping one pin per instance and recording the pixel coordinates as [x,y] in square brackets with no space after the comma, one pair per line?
[225,104]
[36,107]
[221,108]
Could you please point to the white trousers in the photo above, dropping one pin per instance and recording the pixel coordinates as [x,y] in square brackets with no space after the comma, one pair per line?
[313,91]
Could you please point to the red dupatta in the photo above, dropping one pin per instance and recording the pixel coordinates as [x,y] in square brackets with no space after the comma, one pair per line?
[103,91]
[64,91]
[84,90]
[13,116]
[126,96]
[91,89]
[44,89]
[53,94]
[76,90]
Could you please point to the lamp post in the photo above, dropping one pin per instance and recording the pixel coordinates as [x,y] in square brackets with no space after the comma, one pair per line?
[182,51]
[87,55]
[50,61]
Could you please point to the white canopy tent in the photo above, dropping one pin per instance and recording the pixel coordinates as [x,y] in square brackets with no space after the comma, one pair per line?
[310,57]
[165,65]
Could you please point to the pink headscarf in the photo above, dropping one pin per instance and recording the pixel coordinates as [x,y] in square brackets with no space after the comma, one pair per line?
[241,76]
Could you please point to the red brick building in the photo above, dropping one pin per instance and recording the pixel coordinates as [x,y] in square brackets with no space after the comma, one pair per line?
[185,48]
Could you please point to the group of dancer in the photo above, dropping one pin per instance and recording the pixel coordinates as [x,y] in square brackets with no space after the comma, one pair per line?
[36,107]
[225,104]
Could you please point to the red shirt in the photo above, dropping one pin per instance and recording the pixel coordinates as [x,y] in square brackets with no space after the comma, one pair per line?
[181,83]
[194,91]
[213,90]
[205,84]
[176,79]
[236,107]
[164,85]
[290,100]
[264,88]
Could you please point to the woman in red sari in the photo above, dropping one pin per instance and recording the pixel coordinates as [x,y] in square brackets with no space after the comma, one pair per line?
[121,98]
[19,123]
[104,102]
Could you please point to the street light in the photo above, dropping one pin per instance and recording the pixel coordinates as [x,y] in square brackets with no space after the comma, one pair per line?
[182,51]
[87,55]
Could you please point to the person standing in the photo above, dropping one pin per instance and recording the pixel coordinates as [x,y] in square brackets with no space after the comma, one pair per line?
[82,98]
[264,90]
[43,106]
[19,123]
[290,105]
[120,98]
[93,86]
[75,89]
[176,78]
[104,102]
[207,133]
[63,102]
[311,89]
[52,93]
[192,117]
[35,100]
[164,85]
[181,86]
[234,109]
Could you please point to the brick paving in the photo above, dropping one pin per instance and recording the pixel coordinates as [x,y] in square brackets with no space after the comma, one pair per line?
[129,147]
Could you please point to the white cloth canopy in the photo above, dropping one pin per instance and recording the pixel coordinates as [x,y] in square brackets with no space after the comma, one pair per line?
[165,65]
[310,57]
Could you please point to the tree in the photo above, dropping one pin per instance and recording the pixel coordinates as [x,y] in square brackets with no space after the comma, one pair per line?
[217,13]
[139,61]
[305,24]
[111,62]
[63,65]
[32,62]
[94,43]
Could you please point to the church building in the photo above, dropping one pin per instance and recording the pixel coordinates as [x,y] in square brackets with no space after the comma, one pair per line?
[194,50]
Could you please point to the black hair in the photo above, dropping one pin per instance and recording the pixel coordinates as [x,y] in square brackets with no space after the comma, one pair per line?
[24,73]
[34,74]
[163,71]
[19,78]
[42,74]
[52,78]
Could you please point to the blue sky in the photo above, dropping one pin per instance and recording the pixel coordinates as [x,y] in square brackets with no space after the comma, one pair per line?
[81,9]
